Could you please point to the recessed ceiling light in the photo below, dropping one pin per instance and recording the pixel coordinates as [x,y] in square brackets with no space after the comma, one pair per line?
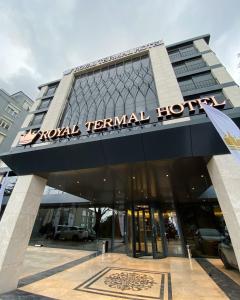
[167,175]
[193,188]
[133,177]
[202,175]
[104,179]
[77,181]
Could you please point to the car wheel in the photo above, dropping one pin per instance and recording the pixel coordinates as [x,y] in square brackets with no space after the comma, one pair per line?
[224,260]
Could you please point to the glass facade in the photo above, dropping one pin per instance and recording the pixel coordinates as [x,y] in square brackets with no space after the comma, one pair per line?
[118,89]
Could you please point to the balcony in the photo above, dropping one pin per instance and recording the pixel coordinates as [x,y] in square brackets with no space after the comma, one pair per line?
[188,68]
[197,85]
[182,54]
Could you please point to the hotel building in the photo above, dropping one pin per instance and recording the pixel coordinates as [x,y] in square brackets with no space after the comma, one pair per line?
[127,133]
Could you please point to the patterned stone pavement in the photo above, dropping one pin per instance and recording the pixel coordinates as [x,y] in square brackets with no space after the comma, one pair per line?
[83,275]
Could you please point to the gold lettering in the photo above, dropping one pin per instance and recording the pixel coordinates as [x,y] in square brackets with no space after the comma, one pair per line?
[43,135]
[98,125]
[107,123]
[205,101]
[65,132]
[179,107]
[59,132]
[52,133]
[163,111]
[143,118]
[75,130]
[190,105]
[89,126]
[122,121]
[216,104]
[133,119]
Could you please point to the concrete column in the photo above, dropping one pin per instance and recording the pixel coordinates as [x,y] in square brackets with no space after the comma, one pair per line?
[201,45]
[16,227]
[224,171]
[58,103]
[233,94]
[168,90]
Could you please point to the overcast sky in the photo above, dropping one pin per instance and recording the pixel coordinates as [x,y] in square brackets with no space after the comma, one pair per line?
[39,39]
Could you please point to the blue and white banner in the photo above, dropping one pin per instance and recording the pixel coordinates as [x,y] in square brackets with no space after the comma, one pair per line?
[226,128]
[2,188]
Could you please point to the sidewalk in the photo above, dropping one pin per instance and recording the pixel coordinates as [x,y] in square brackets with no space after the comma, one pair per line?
[80,275]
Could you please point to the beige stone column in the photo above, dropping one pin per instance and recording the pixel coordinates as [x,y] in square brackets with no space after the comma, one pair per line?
[58,103]
[16,228]
[168,90]
[224,171]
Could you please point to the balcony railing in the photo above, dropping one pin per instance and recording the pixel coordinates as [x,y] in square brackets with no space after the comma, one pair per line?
[201,84]
[182,54]
[187,68]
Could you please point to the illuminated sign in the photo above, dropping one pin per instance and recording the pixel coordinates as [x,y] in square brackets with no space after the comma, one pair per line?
[170,111]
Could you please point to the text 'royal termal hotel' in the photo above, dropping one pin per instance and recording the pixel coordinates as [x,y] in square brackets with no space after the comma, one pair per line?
[127,138]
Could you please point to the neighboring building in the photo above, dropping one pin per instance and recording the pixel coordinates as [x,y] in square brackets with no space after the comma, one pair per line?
[13,110]
[127,133]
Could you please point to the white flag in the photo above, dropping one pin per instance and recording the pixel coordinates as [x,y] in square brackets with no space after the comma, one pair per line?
[226,128]
[2,188]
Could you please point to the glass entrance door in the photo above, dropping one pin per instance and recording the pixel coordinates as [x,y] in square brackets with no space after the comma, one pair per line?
[148,232]
[143,232]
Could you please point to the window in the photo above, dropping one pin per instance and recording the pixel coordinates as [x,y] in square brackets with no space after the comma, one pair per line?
[26,105]
[182,52]
[197,82]
[12,111]
[4,124]
[51,90]
[189,65]
[44,103]
[38,118]
[115,90]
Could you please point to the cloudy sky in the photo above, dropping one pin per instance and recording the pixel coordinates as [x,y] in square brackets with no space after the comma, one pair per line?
[39,39]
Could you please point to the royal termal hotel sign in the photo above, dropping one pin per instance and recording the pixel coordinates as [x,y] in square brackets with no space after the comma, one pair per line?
[172,111]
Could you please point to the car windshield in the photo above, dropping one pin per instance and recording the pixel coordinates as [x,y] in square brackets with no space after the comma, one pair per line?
[209,232]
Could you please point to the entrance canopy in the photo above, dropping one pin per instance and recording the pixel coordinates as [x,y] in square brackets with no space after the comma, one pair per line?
[155,182]
[192,138]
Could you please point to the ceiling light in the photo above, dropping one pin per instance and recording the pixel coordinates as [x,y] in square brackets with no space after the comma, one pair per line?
[77,181]
[193,188]
[167,175]
[104,179]
[202,175]
[133,177]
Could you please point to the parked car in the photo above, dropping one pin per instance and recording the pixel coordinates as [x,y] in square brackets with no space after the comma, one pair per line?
[207,240]
[73,233]
[227,255]
[91,235]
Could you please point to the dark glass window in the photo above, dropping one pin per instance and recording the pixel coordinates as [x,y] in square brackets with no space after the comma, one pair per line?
[182,52]
[51,90]
[45,103]
[122,88]
[197,82]
[38,118]
[189,65]
[218,94]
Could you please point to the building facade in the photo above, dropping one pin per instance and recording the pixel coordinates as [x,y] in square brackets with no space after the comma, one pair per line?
[128,134]
[13,110]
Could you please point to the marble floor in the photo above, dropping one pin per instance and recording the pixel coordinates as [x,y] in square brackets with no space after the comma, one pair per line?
[73,274]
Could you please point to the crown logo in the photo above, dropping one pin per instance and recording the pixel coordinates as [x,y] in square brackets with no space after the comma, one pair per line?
[28,138]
